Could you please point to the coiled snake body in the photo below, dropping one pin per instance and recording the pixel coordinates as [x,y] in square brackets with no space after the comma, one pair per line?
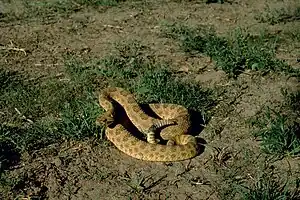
[180,146]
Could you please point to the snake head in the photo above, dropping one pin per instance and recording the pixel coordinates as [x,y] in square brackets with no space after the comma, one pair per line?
[107,119]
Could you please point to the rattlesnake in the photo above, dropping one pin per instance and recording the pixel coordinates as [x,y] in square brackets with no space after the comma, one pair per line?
[180,146]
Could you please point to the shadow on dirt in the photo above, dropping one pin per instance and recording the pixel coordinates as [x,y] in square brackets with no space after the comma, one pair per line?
[9,157]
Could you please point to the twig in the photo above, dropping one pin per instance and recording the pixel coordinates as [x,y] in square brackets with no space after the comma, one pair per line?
[23,116]
[47,65]
[120,29]
[13,48]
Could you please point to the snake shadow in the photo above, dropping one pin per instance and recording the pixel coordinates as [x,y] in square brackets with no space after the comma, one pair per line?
[9,156]
[197,126]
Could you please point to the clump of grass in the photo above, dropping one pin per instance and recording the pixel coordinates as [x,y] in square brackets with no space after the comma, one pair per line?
[233,54]
[278,15]
[161,86]
[78,119]
[47,112]
[278,136]
[268,187]
[292,100]
[26,99]
[29,138]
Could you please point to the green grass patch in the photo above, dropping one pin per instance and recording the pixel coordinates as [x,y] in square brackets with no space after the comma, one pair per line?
[132,69]
[151,81]
[20,10]
[234,53]
[279,15]
[278,135]
[32,99]
[32,137]
[35,114]
[270,187]
[78,119]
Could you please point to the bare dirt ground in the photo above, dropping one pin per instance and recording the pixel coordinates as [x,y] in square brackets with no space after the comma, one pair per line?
[88,170]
